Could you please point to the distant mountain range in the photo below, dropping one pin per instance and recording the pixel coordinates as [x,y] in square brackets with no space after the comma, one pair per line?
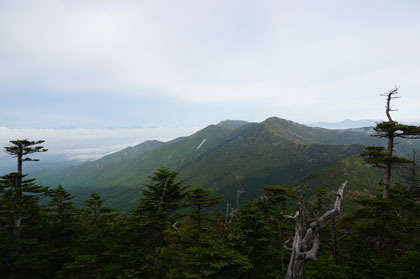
[229,156]
[347,124]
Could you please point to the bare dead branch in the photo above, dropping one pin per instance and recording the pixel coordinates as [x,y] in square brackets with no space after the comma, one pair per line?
[174,226]
[303,237]
[290,217]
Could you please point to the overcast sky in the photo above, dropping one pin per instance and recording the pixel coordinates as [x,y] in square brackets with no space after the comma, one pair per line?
[100,64]
[191,63]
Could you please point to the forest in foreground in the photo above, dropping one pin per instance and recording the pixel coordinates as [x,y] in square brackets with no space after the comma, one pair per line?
[174,233]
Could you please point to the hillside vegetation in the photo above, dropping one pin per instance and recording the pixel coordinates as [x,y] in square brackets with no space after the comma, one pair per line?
[224,157]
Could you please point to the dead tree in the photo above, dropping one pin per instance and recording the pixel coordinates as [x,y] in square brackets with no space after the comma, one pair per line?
[301,254]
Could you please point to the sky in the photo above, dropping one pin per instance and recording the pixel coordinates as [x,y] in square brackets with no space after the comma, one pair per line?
[101,64]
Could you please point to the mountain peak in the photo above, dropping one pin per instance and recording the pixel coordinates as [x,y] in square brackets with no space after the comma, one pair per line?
[231,124]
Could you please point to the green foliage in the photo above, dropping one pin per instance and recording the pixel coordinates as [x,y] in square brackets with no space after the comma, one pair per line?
[252,237]
[379,234]
[173,232]
[20,148]
[243,156]
[378,157]
[407,266]
[161,200]
[61,206]
[215,259]
[199,199]
[324,267]
[387,128]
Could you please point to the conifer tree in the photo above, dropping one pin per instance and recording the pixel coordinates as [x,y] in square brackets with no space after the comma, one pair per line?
[160,200]
[200,199]
[157,211]
[19,192]
[391,130]
[60,231]
[89,254]
[61,205]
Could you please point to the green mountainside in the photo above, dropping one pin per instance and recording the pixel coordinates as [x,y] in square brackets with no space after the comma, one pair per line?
[226,157]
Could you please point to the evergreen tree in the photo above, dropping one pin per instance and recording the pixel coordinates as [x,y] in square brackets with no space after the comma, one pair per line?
[18,194]
[414,189]
[89,257]
[274,203]
[382,237]
[251,236]
[61,229]
[159,205]
[391,130]
[200,199]
[61,206]
[19,205]
[157,211]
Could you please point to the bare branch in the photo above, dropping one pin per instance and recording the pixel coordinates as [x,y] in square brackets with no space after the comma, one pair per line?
[285,245]
[174,226]
[300,255]
[311,254]
[292,217]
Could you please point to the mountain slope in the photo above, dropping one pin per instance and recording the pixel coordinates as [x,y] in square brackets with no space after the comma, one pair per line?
[222,157]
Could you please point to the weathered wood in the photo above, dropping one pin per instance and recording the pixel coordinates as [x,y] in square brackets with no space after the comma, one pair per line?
[301,255]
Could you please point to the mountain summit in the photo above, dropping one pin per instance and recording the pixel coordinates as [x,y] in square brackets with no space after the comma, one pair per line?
[224,157]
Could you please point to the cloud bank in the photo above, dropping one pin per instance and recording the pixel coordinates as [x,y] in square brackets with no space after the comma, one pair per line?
[87,144]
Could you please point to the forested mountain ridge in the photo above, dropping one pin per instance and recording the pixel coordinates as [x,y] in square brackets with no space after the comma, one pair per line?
[171,232]
[223,157]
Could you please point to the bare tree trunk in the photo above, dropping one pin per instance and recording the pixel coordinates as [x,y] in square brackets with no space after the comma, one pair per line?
[301,255]
[390,136]
[387,182]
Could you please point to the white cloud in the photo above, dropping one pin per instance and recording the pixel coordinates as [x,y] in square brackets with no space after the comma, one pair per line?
[89,144]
